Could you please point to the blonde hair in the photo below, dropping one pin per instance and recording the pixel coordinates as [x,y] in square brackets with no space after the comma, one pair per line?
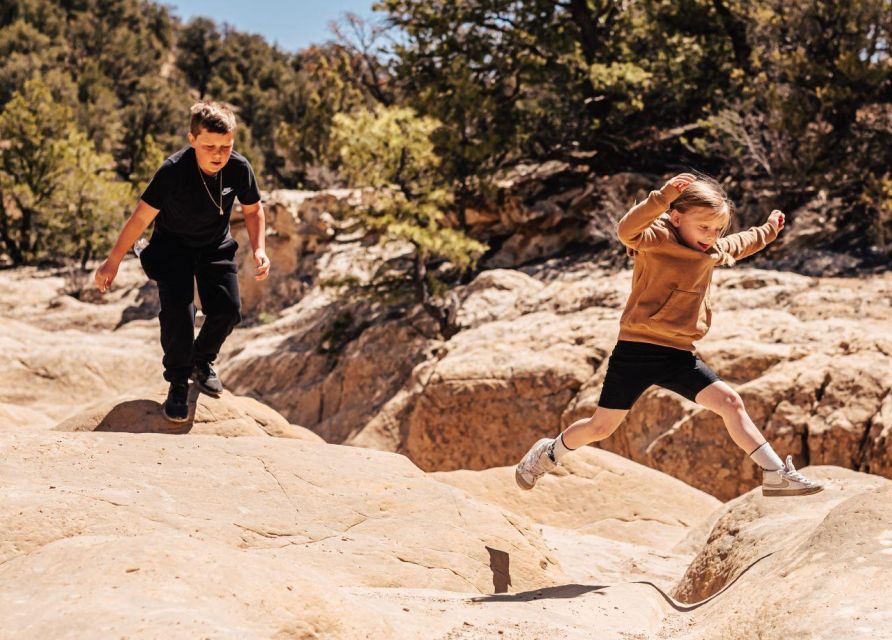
[214,117]
[706,193]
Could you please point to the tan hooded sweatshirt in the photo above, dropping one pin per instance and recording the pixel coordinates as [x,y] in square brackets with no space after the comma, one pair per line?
[669,303]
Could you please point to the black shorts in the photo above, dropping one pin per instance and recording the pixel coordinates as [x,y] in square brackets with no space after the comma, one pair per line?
[634,366]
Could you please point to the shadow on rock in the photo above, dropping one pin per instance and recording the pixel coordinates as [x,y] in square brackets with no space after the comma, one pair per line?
[549,593]
[226,416]
[145,416]
[145,307]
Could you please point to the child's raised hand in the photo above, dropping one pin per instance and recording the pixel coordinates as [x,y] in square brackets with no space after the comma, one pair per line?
[777,219]
[673,188]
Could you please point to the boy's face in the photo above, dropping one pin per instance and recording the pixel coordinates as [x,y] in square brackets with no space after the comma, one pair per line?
[212,149]
[698,227]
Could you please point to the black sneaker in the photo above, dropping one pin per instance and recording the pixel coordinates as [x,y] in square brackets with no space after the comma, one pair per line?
[176,407]
[206,378]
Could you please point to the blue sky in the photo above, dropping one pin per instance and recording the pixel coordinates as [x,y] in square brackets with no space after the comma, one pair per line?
[292,25]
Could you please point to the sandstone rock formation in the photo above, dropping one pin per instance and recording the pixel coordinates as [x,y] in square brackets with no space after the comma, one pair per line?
[819,567]
[146,535]
[811,358]
[605,517]
[300,238]
[56,371]
[227,416]
[13,416]
[66,299]
[156,535]
[118,523]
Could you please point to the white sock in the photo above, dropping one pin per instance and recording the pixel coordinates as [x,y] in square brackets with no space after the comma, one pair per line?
[766,458]
[558,449]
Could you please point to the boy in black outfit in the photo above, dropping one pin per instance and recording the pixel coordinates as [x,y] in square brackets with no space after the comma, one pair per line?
[190,198]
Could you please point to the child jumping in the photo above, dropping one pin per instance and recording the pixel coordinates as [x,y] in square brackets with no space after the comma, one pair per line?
[676,237]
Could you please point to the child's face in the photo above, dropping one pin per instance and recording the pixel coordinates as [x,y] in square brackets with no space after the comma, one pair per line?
[698,227]
[212,149]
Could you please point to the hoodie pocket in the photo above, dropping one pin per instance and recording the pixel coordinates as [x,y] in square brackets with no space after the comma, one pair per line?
[681,314]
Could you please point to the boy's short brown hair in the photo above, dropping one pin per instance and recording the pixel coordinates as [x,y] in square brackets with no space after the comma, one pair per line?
[214,117]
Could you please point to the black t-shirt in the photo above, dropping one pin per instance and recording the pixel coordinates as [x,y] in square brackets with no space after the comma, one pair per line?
[189,213]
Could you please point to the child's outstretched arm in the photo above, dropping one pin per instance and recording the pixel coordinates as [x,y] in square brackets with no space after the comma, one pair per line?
[746,243]
[634,228]
[137,223]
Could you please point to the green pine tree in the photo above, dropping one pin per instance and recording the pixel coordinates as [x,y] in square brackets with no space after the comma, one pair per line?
[60,198]
[389,149]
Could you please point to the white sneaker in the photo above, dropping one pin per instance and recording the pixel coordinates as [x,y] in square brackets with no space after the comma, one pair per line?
[788,482]
[535,464]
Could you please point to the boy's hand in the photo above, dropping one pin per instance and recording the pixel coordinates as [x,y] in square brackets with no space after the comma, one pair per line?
[672,189]
[106,274]
[777,219]
[263,265]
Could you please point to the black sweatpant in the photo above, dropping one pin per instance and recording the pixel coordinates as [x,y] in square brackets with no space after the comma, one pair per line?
[173,267]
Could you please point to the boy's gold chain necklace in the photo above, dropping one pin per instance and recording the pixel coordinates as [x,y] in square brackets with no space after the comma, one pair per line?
[201,177]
